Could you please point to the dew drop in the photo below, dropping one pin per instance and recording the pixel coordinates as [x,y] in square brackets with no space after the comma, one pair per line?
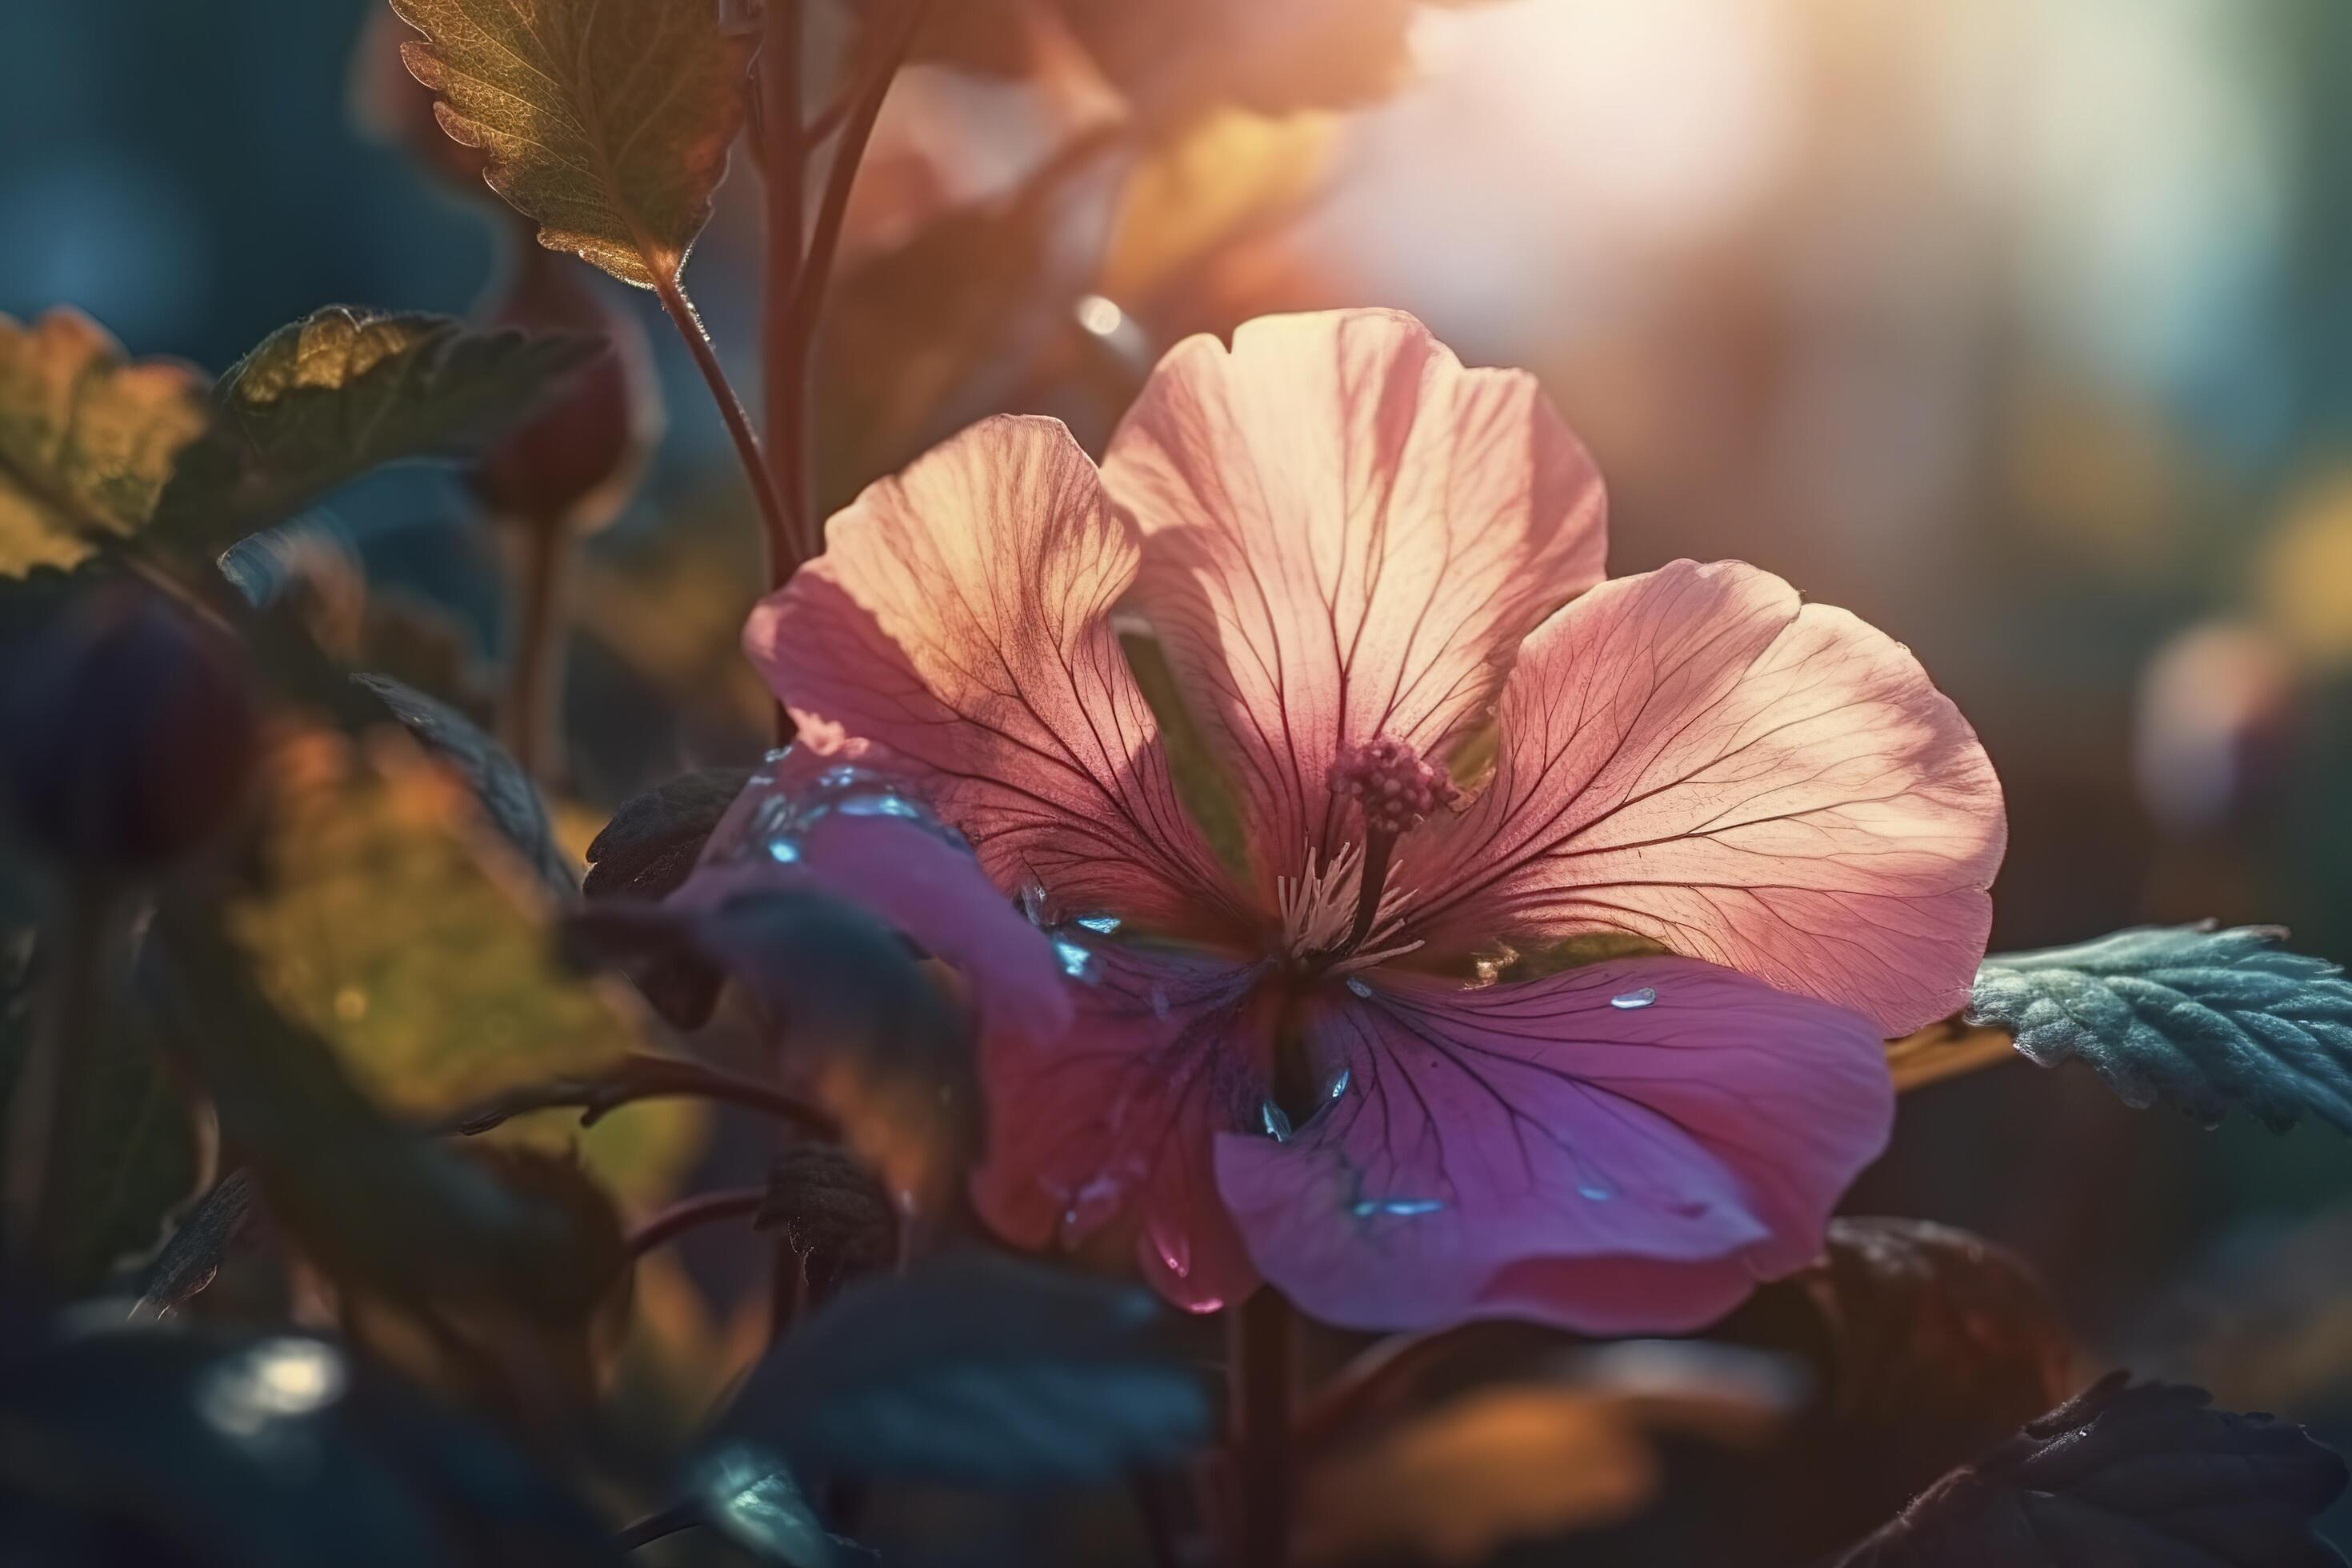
[1339,1086]
[1596,1191]
[880,805]
[1632,999]
[1037,904]
[783,851]
[1358,986]
[1101,925]
[1076,961]
[1400,1208]
[1274,1120]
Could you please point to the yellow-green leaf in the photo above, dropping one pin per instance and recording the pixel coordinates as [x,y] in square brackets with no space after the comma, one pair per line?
[395,925]
[326,398]
[608,121]
[87,437]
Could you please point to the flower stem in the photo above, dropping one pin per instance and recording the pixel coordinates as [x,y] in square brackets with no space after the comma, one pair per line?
[46,1106]
[785,163]
[645,1077]
[1260,1335]
[776,526]
[666,1225]
[534,696]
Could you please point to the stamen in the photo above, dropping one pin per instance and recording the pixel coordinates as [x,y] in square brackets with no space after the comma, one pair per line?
[1396,790]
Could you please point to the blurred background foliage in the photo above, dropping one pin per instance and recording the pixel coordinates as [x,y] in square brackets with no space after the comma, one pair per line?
[2022,328]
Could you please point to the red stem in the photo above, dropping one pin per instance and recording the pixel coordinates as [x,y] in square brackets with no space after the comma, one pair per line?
[775,523]
[692,1212]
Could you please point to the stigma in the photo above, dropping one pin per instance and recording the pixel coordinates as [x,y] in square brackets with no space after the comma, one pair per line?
[1343,914]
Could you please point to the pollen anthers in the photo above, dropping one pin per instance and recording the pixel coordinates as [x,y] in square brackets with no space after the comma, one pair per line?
[1338,915]
[1388,778]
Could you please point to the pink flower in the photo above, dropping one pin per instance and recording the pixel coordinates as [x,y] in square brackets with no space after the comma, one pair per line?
[1371,568]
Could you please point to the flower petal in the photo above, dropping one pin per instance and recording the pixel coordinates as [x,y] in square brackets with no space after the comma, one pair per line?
[957,620]
[1623,1147]
[1115,1121]
[804,822]
[1694,756]
[1346,534]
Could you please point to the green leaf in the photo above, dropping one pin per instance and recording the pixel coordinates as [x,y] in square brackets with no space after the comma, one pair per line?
[2201,1019]
[322,400]
[509,799]
[391,922]
[608,121]
[87,438]
[135,1156]
[977,1369]
[378,1206]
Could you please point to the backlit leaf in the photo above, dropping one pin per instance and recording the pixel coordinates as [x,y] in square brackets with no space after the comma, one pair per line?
[980,1370]
[87,438]
[2146,1475]
[1228,174]
[608,121]
[322,400]
[393,924]
[2199,1019]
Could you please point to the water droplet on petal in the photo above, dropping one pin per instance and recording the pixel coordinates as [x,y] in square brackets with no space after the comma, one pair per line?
[1037,904]
[880,805]
[1339,1086]
[1275,1121]
[1400,1208]
[783,851]
[1175,1253]
[1076,961]
[1358,986]
[1596,1191]
[1630,999]
[1101,925]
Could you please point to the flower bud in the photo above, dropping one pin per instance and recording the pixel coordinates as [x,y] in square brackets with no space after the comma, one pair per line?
[577,461]
[128,732]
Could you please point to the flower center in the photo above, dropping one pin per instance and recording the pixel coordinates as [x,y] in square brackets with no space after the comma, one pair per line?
[1343,915]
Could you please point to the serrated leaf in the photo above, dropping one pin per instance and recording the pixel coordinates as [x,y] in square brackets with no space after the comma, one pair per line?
[134,1155]
[87,437]
[322,400]
[2147,1473]
[978,1369]
[509,800]
[2201,1019]
[608,121]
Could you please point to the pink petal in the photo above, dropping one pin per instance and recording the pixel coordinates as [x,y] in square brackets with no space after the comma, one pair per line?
[1693,755]
[1346,534]
[1115,1121]
[1624,1147]
[803,821]
[957,620]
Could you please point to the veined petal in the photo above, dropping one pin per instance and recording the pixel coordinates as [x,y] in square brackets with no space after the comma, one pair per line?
[1620,1148]
[1693,756]
[959,620]
[1346,534]
[1114,1122]
[804,822]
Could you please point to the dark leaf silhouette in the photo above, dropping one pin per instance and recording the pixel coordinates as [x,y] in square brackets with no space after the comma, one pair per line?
[858,1025]
[274,1451]
[2147,1475]
[828,1209]
[510,800]
[981,1370]
[647,852]
[2201,1019]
